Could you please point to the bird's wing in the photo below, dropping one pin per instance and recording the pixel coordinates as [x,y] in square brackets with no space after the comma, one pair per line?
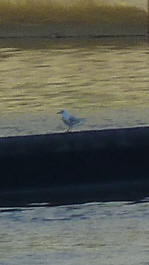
[73,119]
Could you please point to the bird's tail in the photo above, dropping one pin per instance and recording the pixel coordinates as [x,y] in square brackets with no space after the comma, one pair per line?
[82,120]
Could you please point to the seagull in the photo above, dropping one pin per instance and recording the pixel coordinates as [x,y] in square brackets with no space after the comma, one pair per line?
[69,119]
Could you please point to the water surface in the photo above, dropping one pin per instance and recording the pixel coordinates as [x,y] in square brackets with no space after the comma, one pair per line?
[98,233]
[104,80]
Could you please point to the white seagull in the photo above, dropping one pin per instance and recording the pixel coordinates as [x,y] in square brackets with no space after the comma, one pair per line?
[69,119]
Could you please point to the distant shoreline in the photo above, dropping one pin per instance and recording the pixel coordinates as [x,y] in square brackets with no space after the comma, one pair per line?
[70,31]
[145,35]
[83,18]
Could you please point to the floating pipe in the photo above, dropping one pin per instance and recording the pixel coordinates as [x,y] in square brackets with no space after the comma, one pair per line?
[63,162]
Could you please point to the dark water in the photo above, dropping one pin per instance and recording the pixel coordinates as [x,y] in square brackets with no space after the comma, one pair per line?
[104,80]
[96,233]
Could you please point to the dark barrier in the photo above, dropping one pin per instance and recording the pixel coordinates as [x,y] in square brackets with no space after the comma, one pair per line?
[58,165]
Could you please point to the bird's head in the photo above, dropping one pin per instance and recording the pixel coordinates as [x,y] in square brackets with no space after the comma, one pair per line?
[61,112]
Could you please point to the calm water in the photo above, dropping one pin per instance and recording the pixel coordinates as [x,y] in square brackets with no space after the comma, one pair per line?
[97,233]
[103,80]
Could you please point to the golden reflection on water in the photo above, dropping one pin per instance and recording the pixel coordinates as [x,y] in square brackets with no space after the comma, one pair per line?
[88,75]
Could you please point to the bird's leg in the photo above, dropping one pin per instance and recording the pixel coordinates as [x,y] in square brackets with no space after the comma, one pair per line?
[68,129]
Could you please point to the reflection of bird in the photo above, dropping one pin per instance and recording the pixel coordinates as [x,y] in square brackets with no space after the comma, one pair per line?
[69,120]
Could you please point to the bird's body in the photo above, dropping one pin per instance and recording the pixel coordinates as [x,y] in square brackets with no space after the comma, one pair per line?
[69,119]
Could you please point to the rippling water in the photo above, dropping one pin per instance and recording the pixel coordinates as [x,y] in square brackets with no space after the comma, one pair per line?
[97,233]
[104,80]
